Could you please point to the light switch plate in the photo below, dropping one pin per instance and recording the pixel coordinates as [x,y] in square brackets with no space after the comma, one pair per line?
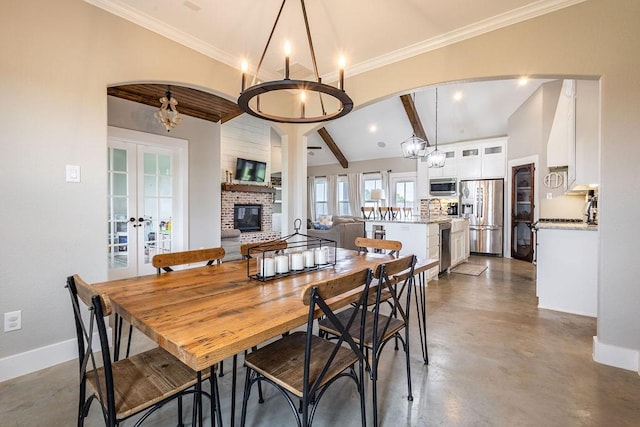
[73,173]
[549,196]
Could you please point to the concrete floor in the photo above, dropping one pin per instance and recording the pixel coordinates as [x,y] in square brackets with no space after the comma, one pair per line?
[495,360]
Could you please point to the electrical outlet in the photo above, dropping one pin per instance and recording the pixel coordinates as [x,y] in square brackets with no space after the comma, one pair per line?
[13,321]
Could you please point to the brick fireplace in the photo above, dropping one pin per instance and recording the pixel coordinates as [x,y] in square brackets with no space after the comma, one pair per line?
[233,194]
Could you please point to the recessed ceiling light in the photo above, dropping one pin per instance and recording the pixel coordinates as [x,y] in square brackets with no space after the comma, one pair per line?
[381,144]
[523,81]
[373,128]
[457,96]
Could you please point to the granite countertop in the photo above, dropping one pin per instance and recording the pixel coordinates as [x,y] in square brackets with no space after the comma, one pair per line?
[580,226]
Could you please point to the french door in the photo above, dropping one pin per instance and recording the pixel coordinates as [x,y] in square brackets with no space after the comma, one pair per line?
[144,203]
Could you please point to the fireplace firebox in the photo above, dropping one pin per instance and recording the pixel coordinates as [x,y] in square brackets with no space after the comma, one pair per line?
[247,217]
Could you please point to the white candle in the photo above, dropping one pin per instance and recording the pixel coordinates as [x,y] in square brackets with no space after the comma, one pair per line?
[282,264]
[297,261]
[308,258]
[265,267]
[321,256]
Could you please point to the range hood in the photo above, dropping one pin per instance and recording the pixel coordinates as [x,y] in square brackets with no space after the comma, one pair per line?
[562,136]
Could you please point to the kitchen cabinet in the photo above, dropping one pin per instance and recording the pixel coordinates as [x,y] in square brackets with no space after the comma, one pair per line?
[470,162]
[421,239]
[522,197]
[567,270]
[494,159]
[459,241]
[450,168]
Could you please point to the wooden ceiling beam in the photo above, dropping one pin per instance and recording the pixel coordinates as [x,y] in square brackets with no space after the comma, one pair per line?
[191,102]
[324,134]
[414,118]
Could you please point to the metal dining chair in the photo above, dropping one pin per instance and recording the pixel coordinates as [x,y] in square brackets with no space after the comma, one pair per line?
[302,365]
[142,383]
[381,328]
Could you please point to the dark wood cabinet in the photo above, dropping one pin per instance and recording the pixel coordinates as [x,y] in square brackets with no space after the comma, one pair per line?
[522,184]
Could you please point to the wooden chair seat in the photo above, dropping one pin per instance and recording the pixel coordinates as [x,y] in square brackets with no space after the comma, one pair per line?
[144,380]
[282,358]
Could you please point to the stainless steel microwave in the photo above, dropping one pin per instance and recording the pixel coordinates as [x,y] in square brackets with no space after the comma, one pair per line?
[443,186]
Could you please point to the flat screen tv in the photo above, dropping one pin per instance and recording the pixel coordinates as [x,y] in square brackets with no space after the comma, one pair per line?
[250,170]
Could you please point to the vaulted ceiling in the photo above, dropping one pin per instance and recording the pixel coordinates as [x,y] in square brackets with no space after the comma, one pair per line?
[369,33]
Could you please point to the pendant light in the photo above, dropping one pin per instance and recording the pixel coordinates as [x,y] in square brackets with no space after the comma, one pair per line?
[436,158]
[414,147]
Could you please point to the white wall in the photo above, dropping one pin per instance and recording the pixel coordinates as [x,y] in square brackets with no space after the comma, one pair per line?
[246,137]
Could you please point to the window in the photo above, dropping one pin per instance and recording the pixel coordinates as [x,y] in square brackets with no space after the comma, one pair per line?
[403,191]
[343,196]
[321,197]
[371,181]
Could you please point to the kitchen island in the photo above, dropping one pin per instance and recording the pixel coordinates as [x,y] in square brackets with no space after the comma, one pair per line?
[567,267]
[422,238]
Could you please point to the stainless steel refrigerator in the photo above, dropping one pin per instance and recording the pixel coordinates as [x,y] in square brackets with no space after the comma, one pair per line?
[482,201]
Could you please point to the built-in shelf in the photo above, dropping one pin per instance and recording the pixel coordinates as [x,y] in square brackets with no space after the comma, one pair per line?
[247,188]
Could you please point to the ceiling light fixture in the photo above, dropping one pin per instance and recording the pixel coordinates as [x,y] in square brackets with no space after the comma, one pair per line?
[168,114]
[249,100]
[414,147]
[436,158]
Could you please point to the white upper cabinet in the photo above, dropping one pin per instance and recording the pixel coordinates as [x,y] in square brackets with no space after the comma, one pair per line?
[450,168]
[481,159]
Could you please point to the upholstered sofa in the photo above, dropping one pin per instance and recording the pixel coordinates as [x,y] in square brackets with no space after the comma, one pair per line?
[343,230]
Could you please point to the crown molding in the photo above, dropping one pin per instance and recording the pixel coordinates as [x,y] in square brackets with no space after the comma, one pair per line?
[515,16]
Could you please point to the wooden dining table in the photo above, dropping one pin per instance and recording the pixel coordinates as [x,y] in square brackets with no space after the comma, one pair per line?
[203,315]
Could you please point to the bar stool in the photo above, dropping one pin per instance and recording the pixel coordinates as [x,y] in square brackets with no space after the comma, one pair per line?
[384,212]
[367,212]
[394,211]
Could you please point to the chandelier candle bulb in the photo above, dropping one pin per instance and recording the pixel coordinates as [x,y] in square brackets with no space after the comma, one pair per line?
[245,67]
[282,264]
[287,52]
[342,64]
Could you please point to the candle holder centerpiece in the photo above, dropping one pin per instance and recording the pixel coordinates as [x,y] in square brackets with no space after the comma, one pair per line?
[293,254]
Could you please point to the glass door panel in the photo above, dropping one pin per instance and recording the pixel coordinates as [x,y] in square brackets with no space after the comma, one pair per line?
[522,212]
[141,202]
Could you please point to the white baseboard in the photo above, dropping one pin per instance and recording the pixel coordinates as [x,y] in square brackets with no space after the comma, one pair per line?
[618,357]
[40,358]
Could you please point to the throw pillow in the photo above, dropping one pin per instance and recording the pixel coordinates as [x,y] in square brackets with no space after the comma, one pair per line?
[325,220]
[321,227]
